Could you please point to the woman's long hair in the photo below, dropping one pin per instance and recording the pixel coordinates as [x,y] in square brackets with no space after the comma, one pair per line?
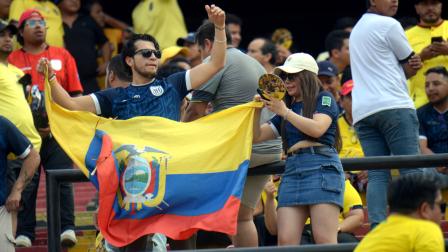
[310,87]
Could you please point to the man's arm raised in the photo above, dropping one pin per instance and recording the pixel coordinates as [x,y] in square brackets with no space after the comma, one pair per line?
[203,72]
[60,96]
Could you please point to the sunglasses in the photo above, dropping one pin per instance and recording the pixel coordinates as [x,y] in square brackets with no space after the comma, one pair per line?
[146,53]
[287,76]
[33,23]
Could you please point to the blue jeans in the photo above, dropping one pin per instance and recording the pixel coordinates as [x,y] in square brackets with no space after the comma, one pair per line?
[388,132]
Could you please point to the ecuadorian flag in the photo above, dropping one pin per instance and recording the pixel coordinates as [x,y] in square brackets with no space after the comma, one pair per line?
[155,175]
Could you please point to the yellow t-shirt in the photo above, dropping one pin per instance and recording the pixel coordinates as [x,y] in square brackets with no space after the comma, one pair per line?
[162,19]
[400,233]
[351,147]
[351,199]
[51,13]
[13,104]
[420,37]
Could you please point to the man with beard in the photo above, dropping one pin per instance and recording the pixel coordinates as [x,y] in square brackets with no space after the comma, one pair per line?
[429,40]
[32,36]
[433,116]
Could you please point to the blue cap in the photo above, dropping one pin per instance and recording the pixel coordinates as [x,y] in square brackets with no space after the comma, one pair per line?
[7,26]
[326,68]
[190,38]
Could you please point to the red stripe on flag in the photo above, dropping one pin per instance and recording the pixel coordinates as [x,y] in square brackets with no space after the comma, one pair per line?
[122,232]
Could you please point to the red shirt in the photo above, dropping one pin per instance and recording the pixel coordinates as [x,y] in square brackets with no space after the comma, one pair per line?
[63,64]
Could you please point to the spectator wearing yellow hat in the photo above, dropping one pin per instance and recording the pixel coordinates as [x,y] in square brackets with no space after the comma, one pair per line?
[172,52]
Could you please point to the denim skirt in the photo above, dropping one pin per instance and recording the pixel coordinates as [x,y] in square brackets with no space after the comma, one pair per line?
[312,178]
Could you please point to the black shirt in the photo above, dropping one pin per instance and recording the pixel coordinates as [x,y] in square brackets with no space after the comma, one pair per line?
[82,40]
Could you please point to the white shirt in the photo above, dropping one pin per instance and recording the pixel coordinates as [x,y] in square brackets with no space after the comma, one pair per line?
[377,45]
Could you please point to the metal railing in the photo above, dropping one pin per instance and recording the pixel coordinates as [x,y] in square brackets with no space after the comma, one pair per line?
[56,177]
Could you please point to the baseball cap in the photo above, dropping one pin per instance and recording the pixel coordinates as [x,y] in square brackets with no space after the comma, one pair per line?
[189,39]
[298,62]
[4,25]
[171,52]
[326,68]
[29,14]
[347,88]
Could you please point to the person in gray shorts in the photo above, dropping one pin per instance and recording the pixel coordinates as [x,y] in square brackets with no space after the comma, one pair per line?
[236,84]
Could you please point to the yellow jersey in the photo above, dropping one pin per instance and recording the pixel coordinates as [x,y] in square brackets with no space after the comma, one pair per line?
[420,37]
[400,233]
[13,104]
[351,146]
[352,200]
[51,13]
[163,19]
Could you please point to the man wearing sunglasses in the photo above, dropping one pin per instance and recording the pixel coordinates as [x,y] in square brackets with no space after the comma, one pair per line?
[32,36]
[416,207]
[147,96]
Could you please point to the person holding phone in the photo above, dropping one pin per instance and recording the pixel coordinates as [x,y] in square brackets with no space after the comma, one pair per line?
[313,182]
[429,40]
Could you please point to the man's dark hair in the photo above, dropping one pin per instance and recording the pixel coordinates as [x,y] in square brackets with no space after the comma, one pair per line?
[233,19]
[207,31]
[116,65]
[269,47]
[408,193]
[367,4]
[344,22]
[129,47]
[335,40]
[438,70]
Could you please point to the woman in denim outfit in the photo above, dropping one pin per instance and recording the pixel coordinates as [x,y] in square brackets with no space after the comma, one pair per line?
[313,182]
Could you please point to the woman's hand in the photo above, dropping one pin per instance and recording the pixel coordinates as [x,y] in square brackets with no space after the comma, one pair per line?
[276,106]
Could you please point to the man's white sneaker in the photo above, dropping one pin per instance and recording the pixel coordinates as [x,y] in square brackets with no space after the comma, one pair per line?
[68,238]
[23,241]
